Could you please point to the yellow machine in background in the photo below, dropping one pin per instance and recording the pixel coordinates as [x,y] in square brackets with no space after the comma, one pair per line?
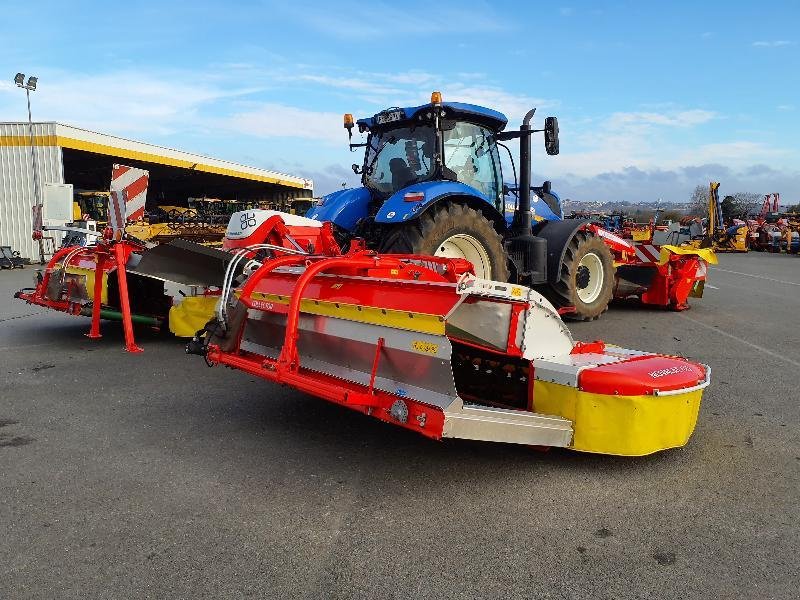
[722,239]
[203,221]
[90,206]
[167,221]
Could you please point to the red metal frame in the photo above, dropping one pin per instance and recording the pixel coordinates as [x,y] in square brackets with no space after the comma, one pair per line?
[672,282]
[287,369]
[106,257]
[122,252]
[422,418]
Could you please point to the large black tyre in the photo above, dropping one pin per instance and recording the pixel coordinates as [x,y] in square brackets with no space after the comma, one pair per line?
[586,278]
[455,231]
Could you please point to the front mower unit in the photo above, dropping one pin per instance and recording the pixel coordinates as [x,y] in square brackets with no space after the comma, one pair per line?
[422,343]
[169,285]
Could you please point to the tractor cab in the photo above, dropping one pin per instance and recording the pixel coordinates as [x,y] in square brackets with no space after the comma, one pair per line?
[445,141]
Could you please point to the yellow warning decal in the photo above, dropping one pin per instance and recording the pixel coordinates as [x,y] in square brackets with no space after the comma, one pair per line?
[516,292]
[425,347]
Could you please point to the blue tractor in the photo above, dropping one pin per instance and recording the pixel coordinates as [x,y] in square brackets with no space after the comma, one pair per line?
[432,184]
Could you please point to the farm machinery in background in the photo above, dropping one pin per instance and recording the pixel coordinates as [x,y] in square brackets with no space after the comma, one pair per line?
[774,231]
[204,219]
[623,225]
[715,233]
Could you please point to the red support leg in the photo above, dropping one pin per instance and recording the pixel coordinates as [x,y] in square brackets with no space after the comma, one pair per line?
[127,324]
[94,332]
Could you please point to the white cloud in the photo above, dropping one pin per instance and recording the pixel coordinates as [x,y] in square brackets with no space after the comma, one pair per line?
[774,43]
[675,184]
[514,106]
[209,107]
[653,140]
[271,120]
[127,102]
[686,118]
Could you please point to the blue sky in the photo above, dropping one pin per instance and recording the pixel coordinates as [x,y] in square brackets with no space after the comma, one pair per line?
[652,98]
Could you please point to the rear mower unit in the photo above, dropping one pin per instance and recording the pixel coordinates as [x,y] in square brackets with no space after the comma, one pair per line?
[420,342]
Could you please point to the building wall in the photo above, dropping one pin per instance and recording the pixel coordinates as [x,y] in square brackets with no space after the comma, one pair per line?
[16,181]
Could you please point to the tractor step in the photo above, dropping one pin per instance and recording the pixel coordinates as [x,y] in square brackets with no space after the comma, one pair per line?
[484,423]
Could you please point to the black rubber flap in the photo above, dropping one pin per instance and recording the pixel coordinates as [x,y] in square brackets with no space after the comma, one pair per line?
[184,262]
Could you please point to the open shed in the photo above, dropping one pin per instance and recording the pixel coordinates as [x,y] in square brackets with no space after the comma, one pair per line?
[69,155]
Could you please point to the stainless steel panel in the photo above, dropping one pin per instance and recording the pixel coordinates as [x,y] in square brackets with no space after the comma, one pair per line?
[346,349]
[486,323]
[510,426]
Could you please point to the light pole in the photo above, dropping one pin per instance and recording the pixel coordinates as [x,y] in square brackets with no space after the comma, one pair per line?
[30,86]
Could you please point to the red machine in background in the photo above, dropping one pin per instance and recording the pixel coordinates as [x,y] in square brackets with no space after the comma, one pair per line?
[773,231]
[657,275]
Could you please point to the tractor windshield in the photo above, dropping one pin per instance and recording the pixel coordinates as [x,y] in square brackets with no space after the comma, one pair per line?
[396,158]
[471,157]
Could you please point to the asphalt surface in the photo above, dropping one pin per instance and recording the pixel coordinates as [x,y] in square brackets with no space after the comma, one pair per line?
[153,476]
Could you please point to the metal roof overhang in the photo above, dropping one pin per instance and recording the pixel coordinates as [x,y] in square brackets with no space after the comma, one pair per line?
[75,138]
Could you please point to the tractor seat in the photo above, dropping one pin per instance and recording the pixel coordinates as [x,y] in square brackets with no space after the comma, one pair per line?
[402,174]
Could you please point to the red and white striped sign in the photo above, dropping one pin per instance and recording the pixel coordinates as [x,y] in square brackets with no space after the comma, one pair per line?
[614,241]
[128,193]
[647,253]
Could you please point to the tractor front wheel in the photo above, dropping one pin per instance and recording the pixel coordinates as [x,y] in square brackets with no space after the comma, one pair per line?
[452,231]
[586,279]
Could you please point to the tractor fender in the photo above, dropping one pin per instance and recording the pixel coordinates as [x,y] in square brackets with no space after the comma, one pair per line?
[397,209]
[558,235]
[344,208]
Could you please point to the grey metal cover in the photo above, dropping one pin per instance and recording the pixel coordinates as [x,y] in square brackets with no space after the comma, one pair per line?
[184,262]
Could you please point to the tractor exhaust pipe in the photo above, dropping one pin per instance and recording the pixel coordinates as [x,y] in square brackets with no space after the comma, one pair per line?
[524,217]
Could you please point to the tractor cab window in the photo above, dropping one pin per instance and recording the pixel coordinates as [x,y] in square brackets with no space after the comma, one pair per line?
[396,158]
[471,157]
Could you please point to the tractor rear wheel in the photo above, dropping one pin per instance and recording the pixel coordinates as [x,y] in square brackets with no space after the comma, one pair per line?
[586,279]
[452,231]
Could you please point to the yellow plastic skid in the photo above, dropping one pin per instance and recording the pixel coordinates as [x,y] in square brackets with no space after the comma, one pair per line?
[191,315]
[621,425]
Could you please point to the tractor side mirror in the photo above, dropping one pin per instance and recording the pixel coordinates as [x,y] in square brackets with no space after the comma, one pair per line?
[551,135]
[546,187]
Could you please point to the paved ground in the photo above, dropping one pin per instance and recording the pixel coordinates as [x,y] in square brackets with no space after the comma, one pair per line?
[153,476]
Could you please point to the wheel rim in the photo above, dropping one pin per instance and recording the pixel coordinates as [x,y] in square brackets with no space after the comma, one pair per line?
[465,246]
[589,278]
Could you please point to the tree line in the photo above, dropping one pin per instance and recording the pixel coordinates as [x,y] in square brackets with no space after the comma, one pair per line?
[733,206]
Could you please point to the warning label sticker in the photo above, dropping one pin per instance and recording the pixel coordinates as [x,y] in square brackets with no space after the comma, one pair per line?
[424,347]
